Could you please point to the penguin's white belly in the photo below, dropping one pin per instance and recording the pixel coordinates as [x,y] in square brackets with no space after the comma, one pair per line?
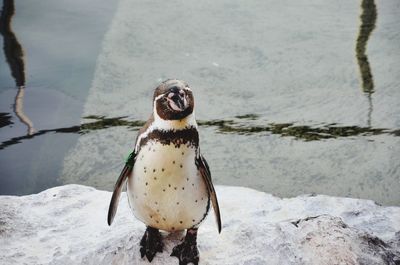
[165,190]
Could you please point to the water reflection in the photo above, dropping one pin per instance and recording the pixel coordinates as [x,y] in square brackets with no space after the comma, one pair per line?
[12,48]
[299,132]
[5,119]
[19,110]
[238,125]
[368,21]
[15,58]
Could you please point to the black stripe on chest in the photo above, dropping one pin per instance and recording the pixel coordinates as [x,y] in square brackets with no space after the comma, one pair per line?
[189,137]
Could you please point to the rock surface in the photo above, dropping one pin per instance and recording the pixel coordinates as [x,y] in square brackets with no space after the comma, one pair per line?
[67,225]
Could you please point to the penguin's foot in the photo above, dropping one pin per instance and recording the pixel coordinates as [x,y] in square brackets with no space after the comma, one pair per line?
[187,251]
[151,243]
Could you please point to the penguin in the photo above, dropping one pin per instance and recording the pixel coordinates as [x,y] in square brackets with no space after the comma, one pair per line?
[168,180]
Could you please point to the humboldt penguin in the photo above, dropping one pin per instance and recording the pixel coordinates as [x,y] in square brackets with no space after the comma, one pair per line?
[169,184]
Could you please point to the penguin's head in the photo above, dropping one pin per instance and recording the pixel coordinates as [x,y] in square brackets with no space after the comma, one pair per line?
[173,100]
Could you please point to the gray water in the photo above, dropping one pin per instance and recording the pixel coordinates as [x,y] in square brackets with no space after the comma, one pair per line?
[291,97]
[59,42]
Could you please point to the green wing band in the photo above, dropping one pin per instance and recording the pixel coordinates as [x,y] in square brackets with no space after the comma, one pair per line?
[130,161]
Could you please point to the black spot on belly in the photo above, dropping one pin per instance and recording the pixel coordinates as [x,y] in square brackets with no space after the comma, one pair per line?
[177,203]
[183,153]
[155,178]
[175,188]
[154,170]
[164,219]
[183,188]
[181,165]
[173,162]
[147,183]
[181,222]
[163,190]
[193,220]
[162,170]
[169,185]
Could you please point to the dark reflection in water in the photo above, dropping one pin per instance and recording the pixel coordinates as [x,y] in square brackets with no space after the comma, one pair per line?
[5,119]
[12,48]
[368,21]
[239,125]
[15,58]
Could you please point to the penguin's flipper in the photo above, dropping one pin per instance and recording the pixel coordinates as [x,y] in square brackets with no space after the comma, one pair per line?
[126,171]
[204,169]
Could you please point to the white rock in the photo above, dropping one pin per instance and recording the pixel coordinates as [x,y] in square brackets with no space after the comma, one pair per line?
[67,225]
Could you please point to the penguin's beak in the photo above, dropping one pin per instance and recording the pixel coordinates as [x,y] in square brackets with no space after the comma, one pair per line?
[177,100]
